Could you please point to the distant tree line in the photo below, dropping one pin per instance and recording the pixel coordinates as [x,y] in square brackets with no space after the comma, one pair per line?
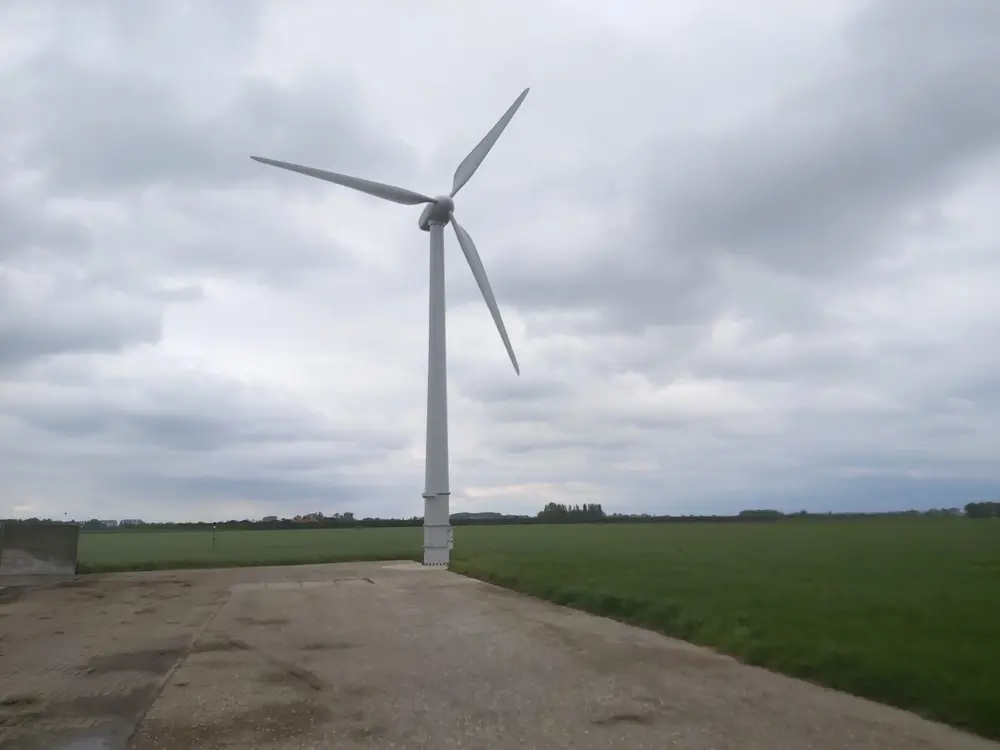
[559,513]
[761,515]
[552,513]
[983,510]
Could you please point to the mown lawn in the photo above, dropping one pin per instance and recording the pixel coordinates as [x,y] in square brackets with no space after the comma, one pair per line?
[904,611]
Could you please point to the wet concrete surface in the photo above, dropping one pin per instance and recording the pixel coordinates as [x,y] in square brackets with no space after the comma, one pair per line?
[383,656]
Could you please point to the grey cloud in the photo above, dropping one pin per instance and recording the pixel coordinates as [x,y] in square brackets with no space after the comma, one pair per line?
[506,389]
[62,293]
[27,229]
[117,120]
[609,447]
[816,184]
[208,436]
[182,293]
[978,392]
[196,416]
[71,317]
[654,284]
[820,356]
[273,495]
[818,187]
[95,131]
[248,236]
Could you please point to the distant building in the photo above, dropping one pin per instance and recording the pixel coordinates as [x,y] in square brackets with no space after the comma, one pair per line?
[110,524]
[269,519]
[131,522]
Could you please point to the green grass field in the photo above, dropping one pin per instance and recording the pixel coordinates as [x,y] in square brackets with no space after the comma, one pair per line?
[903,611]
[145,550]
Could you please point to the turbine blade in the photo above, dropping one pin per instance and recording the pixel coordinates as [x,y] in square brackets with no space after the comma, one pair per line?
[378,189]
[471,162]
[472,255]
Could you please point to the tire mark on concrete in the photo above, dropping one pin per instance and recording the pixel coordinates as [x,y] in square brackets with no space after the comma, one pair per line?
[302,675]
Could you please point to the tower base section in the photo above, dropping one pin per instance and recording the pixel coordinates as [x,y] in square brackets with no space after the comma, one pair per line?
[438,534]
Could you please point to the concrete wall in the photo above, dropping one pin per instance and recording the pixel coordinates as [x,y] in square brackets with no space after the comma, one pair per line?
[38,549]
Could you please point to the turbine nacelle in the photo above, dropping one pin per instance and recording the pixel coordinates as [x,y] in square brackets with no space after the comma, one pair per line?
[438,212]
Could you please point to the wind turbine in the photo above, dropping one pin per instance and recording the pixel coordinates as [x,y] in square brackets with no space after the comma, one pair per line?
[439,212]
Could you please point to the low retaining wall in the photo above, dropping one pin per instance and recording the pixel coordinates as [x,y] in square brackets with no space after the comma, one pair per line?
[38,548]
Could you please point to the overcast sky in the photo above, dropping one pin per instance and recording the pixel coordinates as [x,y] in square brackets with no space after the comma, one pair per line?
[744,252]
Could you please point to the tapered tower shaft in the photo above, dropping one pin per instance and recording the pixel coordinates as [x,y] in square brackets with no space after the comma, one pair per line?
[437,520]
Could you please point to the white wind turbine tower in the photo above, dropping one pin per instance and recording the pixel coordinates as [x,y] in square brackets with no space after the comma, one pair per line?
[439,212]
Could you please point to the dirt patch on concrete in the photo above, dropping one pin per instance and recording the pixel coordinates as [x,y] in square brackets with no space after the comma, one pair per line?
[216,645]
[10,594]
[295,676]
[269,723]
[120,704]
[153,660]
[264,621]
[625,718]
[19,701]
[15,709]
[326,646]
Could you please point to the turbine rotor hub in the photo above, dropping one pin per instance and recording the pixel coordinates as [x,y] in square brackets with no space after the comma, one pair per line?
[438,212]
